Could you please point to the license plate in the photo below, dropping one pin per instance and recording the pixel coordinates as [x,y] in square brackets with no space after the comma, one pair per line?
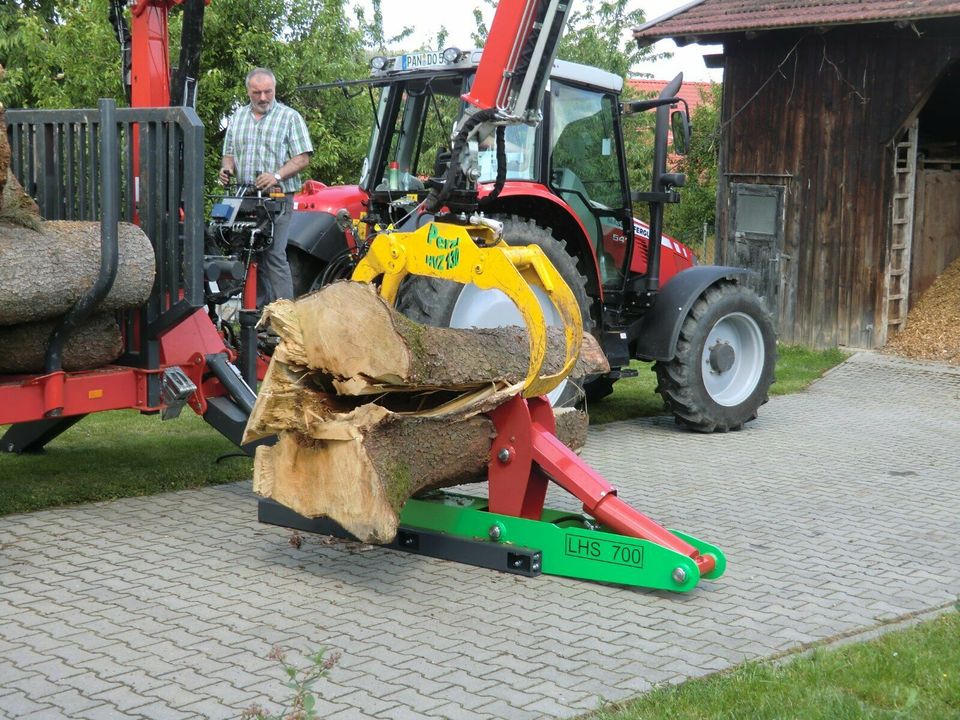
[421,59]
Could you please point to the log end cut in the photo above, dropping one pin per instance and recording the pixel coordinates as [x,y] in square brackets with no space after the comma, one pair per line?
[331,478]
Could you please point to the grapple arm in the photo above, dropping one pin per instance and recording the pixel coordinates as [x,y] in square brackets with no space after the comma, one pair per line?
[475,254]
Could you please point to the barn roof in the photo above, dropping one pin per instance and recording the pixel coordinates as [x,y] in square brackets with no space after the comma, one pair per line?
[701,18]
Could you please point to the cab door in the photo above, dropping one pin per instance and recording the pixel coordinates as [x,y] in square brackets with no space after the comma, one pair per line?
[586,170]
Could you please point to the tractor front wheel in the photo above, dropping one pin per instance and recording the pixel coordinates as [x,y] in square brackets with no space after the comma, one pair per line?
[724,362]
[443,303]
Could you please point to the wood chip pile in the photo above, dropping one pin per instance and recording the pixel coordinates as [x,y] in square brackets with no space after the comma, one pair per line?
[933,325]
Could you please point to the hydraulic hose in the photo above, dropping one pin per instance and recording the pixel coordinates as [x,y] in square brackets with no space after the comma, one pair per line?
[438,197]
[501,166]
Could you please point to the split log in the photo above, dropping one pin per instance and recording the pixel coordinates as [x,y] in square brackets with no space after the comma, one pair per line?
[93,344]
[360,473]
[351,333]
[46,271]
[355,456]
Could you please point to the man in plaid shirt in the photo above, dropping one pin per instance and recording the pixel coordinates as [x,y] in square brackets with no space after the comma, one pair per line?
[267,144]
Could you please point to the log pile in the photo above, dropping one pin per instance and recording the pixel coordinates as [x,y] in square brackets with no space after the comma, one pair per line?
[371,408]
[46,266]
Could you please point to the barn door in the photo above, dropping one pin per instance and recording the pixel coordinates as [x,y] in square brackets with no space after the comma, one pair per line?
[756,226]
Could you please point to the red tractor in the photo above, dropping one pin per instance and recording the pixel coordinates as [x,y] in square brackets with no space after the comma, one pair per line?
[559,181]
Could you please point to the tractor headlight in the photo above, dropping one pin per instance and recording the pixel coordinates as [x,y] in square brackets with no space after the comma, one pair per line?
[378,62]
[452,54]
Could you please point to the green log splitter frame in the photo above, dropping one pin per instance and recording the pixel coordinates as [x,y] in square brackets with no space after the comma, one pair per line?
[511,531]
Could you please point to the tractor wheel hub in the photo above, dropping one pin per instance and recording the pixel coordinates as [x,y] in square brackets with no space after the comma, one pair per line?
[722,357]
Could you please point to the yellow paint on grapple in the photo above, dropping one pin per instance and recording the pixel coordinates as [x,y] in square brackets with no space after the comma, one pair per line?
[475,254]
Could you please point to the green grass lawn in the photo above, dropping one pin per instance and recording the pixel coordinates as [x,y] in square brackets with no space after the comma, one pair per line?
[911,674]
[118,454]
[797,367]
[123,453]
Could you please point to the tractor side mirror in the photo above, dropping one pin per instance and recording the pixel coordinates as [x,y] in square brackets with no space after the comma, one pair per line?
[680,127]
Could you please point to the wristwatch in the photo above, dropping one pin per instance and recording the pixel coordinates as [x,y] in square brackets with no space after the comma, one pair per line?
[276,176]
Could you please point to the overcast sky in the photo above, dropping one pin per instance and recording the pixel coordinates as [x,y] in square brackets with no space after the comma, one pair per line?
[427,16]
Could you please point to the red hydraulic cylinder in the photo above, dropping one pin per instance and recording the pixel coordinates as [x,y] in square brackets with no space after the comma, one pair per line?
[600,499]
[150,60]
[526,453]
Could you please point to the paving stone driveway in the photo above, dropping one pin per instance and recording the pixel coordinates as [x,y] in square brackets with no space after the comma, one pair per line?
[837,508]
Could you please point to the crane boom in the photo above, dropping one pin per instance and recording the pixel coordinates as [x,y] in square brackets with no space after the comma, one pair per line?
[517,57]
[509,82]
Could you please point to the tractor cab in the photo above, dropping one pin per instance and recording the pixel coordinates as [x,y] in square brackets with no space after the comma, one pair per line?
[568,171]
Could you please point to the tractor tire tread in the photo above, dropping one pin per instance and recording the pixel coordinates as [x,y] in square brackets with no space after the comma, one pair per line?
[679,381]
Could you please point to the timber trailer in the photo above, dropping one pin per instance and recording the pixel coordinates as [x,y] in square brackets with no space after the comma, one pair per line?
[145,164]
[558,179]
[140,164]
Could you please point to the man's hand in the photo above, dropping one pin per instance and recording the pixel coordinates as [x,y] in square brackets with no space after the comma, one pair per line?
[224,175]
[265,181]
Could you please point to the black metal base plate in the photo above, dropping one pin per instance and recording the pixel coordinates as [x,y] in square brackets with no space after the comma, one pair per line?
[480,553]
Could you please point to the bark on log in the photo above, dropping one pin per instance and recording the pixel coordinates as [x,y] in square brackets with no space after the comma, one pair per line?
[16,207]
[93,344]
[372,347]
[45,272]
[361,473]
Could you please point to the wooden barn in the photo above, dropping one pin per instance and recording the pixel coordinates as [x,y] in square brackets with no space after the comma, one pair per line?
[839,154]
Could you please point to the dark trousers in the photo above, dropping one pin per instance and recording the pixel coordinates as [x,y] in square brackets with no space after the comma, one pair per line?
[274,279]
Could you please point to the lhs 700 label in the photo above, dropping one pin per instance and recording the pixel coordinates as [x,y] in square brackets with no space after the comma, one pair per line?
[601,550]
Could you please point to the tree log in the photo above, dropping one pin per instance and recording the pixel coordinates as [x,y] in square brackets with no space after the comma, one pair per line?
[349,332]
[356,457]
[93,344]
[360,473]
[45,272]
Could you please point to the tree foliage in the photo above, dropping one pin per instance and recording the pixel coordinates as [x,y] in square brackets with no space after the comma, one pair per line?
[53,54]
[596,36]
[64,53]
[686,220]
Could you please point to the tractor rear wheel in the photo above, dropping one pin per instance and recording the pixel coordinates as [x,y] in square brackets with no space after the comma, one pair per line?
[724,362]
[443,303]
